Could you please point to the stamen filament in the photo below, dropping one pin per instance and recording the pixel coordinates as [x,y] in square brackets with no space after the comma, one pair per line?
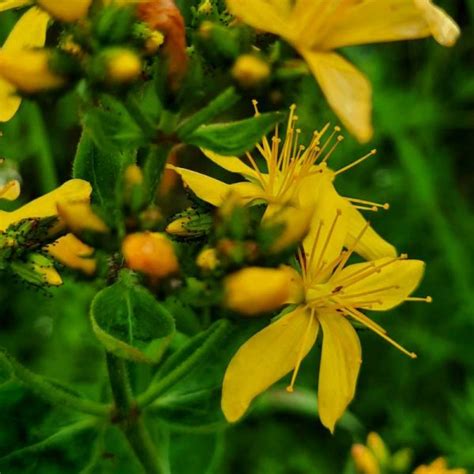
[355,163]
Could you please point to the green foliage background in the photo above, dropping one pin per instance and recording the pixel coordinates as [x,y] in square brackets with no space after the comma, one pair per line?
[424,121]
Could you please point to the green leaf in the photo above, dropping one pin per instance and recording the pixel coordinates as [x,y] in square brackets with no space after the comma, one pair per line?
[129,322]
[104,170]
[234,138]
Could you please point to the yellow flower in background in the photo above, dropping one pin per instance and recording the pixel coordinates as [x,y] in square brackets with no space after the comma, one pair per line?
[438,466]
[334,294]
[10,190]
[29,32]
[315,28]
[73,253]
[295,175]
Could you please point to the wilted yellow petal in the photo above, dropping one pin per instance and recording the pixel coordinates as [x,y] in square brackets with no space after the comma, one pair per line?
[443,28]
[347,91]
[206,188]
[341,357]
[29,32]
[232,164]
[389,285]
[371,245]
[10,191]
[264,359]
[45,206]
[266,15]
[73,253]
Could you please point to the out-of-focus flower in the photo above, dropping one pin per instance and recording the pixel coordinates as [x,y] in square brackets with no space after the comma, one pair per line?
[121,65]
[10,190]
[296,175]
[438,466]
[255,290]
[315,28]
[151,253]
[334,293]
[79,217]
[364,460]
[68,11]
[207,260]
[250,71]
[29,32]
[73,253]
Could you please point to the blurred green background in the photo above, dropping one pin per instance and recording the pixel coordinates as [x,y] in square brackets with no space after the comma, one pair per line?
[424,122]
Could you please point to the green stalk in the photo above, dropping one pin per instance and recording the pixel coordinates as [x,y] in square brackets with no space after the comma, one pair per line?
[45,161]
[51,392]
[130,422]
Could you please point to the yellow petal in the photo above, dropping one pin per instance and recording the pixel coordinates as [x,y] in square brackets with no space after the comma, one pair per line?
[264,359]
[9,4]
[248,192]
[341,357]
[204,187]
[374,21]
[73,253]
[69,11]
[327,234]
[266,15]
[395,280]
[347,91]
[45,206]
[10,191]
[79,216]
[29,32]
[443,28]
[371,245]
[232,164]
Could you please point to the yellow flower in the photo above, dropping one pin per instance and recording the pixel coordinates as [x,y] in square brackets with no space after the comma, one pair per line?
[29,32]
[335,294]
[438,466]
[10,190]
[294,175]
[250,70]
[315,28]
[73,253]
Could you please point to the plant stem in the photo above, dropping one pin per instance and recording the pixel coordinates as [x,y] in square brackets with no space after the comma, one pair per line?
[51,392]
[46,167]
[130,422]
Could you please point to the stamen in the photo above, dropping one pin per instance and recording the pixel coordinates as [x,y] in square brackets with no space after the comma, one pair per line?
[302,261]
[328,141]
[364,208]
[355,163]
[426,299]
[328,238]
[299,359]
[370,292]
[257,170]
[255,106]
[315,244]
[340,138]
[385,205]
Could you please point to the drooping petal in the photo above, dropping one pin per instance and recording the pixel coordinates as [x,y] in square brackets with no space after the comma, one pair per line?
[9,4]
[387,281]
[443,28]
[371,245]
[266,15]
[232,164]
[264,359]
[10,191]
[29,32]
[45,206]
[328,230]
[347,90]
[206,188]
[341,357]
[73,253]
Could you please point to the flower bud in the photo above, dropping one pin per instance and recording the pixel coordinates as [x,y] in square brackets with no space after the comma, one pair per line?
[10,190]
[250,71]
[401,460]
[364,460]
[207,260]
[38,270]
[255,290]
[190,223]
[377,446]
[122,66]
[205,8]
[150,253]
[29,71]
[66,10]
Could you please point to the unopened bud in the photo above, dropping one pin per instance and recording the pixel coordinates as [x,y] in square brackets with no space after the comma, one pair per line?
[122,66]
[205,8]
[250,71]
[378,447]
[38,270]
[401,460]
[190,223]
[255,290]
[364,460]
[29,71]
[150,253]
[66,10]
[207,260]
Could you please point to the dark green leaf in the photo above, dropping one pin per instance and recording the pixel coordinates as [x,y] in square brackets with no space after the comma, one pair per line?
[234,138]
[127,319]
